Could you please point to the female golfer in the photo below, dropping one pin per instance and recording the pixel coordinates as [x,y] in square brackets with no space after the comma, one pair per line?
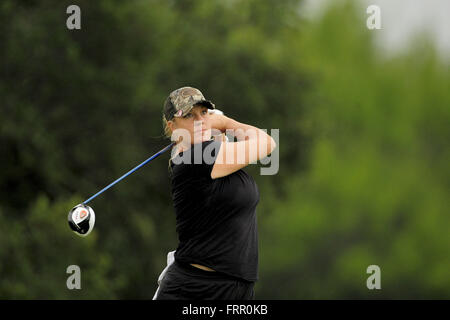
[214,200]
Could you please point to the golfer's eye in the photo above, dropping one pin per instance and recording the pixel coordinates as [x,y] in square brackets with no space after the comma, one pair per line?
[188,115]
[204,111]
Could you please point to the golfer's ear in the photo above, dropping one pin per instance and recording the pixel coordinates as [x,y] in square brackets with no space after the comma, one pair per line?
[170,125]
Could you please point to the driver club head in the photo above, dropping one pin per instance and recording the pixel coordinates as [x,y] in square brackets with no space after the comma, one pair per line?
[81,219]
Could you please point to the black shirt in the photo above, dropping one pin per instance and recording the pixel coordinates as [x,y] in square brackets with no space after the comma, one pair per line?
[215,218]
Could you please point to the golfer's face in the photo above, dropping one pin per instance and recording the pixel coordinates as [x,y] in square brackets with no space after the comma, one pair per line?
[197,123]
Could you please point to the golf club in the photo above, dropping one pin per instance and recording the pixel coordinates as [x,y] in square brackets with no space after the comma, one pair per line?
[130,172]
[82,217]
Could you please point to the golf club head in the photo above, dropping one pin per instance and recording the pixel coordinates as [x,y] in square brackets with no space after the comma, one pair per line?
[81,219]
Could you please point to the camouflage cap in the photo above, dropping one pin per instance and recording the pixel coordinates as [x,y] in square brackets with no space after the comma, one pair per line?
[182,100]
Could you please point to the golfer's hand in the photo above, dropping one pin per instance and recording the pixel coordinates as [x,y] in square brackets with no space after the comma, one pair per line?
[218,121]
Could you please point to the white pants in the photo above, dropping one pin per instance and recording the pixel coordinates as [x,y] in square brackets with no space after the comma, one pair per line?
[170,260]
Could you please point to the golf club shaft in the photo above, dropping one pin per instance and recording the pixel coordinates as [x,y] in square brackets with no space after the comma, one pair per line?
[130,172]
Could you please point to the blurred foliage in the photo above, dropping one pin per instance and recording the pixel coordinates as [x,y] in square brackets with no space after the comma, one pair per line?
[377,186]
[363,174]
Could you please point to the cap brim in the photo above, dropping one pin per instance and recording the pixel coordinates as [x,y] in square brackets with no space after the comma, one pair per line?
[205,103]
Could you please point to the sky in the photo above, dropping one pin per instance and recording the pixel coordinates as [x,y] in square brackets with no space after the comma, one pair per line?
[401,20]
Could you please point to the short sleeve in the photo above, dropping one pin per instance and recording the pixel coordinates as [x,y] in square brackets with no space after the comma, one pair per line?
[210,149]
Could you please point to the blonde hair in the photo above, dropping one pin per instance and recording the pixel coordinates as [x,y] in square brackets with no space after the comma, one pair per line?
[168,135]
[167,131]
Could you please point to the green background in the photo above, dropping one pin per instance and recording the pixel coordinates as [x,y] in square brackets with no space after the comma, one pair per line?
[364,157]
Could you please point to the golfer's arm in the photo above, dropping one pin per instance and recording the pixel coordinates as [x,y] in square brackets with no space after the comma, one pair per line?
[252,144]
[244,131]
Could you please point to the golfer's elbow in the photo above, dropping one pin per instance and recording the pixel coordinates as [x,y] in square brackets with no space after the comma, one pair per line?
[271,144]
[264,143]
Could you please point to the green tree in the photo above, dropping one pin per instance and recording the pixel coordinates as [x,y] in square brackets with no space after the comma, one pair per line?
[377,188]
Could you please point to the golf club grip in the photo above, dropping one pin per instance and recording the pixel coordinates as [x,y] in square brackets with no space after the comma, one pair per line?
[130,172]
